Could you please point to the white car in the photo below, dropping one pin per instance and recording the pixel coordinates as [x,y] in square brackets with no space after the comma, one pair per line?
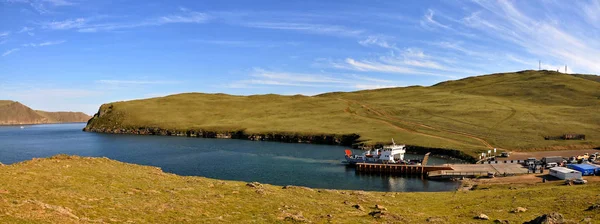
[580,181]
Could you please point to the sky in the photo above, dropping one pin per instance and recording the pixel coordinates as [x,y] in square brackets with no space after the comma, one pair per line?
[74,55]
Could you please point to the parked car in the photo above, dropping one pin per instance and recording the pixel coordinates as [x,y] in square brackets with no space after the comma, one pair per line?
[550,165]
[580,181]
[505,154]
[575,181]
[592,157]
[572,160]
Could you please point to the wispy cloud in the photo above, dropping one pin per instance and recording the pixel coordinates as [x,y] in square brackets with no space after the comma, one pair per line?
[429,22]
[262,78]
[66,24]
[47,43]
[135,82]
[546,38]
[378,41]
[59,2]
[186,17]
[27,30]
[4,36]
[10,51]
[333,30]
[90,25]
[41,6]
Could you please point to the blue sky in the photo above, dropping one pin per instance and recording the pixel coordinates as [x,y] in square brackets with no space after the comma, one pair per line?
[74,55]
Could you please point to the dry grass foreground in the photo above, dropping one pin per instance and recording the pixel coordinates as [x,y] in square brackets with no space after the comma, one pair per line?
[512,111]
[71,189]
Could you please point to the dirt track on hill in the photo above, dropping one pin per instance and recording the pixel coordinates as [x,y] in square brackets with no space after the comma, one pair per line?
[390,117]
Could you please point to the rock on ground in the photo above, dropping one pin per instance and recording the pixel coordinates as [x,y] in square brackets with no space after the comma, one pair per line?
[254,184]
[380,207]
[482,217]
[519,210]
[552,218]
[359,207]
[297,187]
[437,220]
[593,207]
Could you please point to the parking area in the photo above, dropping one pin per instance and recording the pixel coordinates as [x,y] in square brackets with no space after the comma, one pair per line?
[500,168]
[541,154]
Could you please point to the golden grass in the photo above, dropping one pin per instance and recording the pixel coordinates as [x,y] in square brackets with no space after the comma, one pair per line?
[71,189]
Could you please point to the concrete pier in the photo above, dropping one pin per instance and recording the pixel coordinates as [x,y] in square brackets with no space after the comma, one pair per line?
[397,168]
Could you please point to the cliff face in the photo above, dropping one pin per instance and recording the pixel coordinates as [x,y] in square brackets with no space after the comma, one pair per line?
[15,113]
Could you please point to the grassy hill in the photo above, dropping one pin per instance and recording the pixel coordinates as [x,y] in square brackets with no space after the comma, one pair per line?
[512,111]
[65,189]
[15,113]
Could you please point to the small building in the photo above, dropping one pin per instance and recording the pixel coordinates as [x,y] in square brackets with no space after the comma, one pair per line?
[564,173]
[585,169]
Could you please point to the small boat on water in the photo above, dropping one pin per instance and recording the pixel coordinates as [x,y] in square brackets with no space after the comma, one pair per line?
[393,154]
[22,127]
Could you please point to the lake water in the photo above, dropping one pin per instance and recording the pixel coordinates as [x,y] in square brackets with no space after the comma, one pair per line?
[316,166]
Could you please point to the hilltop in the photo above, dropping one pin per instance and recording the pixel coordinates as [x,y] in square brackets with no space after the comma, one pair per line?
[15,113]
[72,189]
[512,111]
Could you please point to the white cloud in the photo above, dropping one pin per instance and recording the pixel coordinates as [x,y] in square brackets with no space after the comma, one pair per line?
[135,82]
[187,17]
[308,28]
[378,41]
[87,25]
[25,29]
[66,24]
[263,78]
[47,43]
[59,2]
[4,34]
[549,39]
[10,51]
[429,22]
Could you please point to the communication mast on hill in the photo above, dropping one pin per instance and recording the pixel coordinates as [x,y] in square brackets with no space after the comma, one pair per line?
[540,65]
[565,69]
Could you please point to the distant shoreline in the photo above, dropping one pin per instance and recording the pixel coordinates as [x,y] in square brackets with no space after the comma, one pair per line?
[7,125]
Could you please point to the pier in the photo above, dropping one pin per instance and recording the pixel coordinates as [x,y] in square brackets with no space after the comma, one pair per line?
[443,171]
[398,168]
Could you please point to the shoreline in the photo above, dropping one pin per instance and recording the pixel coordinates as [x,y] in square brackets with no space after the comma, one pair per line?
[9,125]
[349,140]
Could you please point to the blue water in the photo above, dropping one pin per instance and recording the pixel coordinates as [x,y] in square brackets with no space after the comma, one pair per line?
[316,166]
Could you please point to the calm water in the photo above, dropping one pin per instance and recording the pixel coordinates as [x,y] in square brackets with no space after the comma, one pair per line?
[317,166]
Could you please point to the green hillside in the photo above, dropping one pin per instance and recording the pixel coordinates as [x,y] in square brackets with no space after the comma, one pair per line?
[70,189]
[512,111]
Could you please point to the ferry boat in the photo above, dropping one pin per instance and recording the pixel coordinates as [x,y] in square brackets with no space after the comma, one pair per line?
[388,154]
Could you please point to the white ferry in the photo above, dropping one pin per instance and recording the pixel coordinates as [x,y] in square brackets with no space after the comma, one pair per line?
[388,154]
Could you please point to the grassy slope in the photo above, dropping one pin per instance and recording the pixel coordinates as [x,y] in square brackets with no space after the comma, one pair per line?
[595,78]
[74,189]
[512,111]
[63,116]
[12,112]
